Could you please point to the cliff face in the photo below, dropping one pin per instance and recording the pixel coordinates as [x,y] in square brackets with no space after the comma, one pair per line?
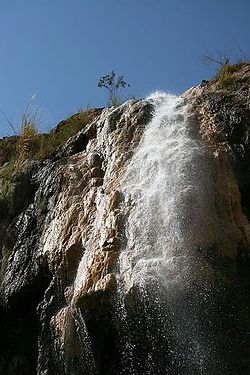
[60,248]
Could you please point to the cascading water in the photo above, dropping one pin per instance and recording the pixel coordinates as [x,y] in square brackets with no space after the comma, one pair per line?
[158,187]
[164,193]
[163,320]
[85,342]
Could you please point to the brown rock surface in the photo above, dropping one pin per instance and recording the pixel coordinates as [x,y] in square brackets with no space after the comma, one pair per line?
[60,254]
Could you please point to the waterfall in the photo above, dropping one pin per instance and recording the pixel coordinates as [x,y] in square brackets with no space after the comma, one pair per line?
[159,187]
[85,343]
[165,195]
[161,319]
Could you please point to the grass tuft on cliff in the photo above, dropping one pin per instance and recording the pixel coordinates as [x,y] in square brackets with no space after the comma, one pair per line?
[227,74]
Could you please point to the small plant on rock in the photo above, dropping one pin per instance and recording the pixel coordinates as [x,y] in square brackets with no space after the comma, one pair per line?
[113,85]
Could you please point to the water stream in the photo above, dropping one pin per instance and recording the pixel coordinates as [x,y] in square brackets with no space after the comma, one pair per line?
[164,300]
[165,193]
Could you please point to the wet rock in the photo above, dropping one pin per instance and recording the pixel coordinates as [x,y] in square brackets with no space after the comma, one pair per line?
[95,161]
[97,172]
[96,181]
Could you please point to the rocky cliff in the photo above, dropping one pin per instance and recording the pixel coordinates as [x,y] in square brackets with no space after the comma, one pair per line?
[60,307]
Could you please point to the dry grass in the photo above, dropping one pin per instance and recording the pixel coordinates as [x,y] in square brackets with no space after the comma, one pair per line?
[32,145]
[226,74]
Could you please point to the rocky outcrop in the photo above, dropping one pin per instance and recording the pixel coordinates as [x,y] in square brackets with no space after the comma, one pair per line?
[58,305]
[72,208]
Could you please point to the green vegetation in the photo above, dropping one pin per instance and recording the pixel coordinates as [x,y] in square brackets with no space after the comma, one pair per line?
[28,141]
[113,85]
[32,145]
[6,178]
[57,137]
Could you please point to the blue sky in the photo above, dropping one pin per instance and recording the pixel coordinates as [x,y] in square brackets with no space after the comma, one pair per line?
[58,49]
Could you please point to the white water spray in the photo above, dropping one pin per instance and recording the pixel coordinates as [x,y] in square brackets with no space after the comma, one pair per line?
[159,187]
[165,196]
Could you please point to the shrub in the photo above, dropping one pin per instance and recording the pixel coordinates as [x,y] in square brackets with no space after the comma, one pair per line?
[113,86]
